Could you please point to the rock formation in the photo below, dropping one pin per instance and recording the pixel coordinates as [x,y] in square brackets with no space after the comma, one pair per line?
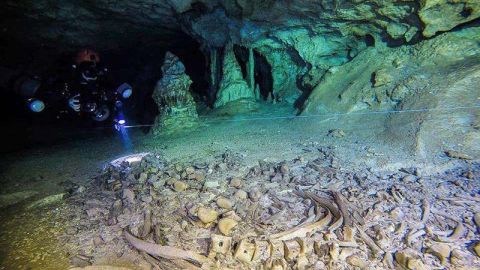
[300,39]
[232,86]
[174,100]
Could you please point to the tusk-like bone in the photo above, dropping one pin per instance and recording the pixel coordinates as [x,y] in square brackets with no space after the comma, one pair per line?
[166,252]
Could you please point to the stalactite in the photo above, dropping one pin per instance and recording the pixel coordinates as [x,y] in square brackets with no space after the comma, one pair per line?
[213,70]
[251,70]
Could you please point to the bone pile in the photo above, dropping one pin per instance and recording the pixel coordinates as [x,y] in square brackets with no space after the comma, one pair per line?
[298,214]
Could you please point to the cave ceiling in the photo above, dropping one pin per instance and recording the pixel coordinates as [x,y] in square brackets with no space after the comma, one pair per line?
[116,24]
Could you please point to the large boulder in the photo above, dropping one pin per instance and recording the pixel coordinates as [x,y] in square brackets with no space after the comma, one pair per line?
[173,98]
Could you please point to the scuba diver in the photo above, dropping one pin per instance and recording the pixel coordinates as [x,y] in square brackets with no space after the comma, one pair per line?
[85,89]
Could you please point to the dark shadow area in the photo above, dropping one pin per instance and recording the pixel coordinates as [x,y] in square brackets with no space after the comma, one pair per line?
[263,74]
[262,69]
[138,65]
[241,54]
[369,40]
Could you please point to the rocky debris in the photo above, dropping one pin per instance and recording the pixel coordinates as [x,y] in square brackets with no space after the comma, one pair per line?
[173,98]
[287,215]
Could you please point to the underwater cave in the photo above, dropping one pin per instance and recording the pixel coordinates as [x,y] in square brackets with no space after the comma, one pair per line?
[207,134]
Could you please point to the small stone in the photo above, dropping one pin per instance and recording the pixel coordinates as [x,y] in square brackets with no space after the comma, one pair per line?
[382,77]
[255,194]
[221,167]
[158,185]
[81,189]
[409,259]
[397,213]
[189,170]
[476,219]
[284,169]
[409,179]
[240,195]
[116,185]
[178,167]
[336,133]
[97,241]
[207,215]
[179,186]
[142,178]
[199,177]
[226,225]
[224,203]
[236,182]
[128,195]
[476,248]
[356,261]
[441,251]
[210,184]
[457,154]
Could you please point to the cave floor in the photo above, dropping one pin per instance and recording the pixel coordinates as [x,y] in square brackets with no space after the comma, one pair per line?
[38,227]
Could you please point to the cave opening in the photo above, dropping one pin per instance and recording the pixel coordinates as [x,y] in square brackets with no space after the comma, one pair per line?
[262,70]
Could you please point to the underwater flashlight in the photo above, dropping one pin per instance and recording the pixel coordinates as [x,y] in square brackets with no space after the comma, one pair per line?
[121,122]
[127,93]
[36,105]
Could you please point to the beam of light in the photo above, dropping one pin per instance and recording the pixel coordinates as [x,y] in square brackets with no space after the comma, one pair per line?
[120,126]
[125,138]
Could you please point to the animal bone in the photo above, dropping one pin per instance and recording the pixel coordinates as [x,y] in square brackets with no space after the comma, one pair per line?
[388,260]
[413,235]
[219,244]
[426,210]
[357,262]
[166,252]
[342,206]
[334,252]
[262,251]
[457,233]
[346,252]
[291,250]
[276,249]
[376,250]
[302,230]
[244,251]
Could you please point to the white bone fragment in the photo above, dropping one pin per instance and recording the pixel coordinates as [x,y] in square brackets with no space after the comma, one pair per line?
[458,232]
[244,251]
[220,244]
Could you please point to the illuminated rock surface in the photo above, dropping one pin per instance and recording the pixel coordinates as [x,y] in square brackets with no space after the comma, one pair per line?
[173,98]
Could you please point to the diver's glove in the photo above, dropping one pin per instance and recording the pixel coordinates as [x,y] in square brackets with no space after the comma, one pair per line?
[74,102]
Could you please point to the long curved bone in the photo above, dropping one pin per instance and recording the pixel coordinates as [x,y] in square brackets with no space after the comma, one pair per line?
[165,251]
[309,228]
